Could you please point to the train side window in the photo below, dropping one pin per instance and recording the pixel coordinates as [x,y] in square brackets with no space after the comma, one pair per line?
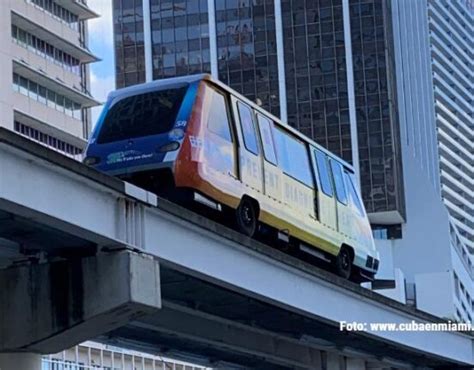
[289,148]
[354,194]
[341,192]
[218,121]
[323,172]
[265,127]
[248,127]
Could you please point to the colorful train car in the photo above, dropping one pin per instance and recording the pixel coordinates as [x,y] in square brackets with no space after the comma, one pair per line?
[194,135]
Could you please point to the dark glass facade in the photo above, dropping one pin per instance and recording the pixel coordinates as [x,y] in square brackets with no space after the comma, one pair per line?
[378,125]
[180,37]
[315,70]
[317,90]
[246,49]
[316,75]
[129,47]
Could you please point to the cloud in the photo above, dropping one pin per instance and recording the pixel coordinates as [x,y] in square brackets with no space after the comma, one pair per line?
[101,28]
[100,86]
[101,37]
[101,41]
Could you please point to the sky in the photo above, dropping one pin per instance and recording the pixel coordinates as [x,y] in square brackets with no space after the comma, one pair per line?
[101,44]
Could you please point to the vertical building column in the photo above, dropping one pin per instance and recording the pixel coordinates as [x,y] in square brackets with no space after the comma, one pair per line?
[280,61]
[6,94]
[147,41]
[350,88]
[23,361]
[211,10]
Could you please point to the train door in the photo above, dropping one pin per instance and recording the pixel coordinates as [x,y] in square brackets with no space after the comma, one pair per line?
[250,161]
[271,172]
[342,205]
[219,144]
[326,201]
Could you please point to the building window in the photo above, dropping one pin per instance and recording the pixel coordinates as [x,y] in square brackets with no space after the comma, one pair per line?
[58,12]
[55,364]
[387,231]
[45,50]
[129,40]
[246,50]
[180,37]
[315,73]
[45,96]
[48,141]
[380,233]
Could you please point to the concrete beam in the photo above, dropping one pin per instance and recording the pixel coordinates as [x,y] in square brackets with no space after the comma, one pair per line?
[45,308]
[222,334]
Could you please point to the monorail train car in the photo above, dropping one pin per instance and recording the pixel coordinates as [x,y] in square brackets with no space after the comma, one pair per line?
[195,135]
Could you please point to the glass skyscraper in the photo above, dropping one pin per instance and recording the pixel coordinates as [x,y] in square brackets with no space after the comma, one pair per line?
[317,91]
[324,66]
[246,49]
[180,38]
[129,45]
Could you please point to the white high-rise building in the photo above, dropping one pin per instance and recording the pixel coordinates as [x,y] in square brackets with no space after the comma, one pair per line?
[44,84]
[451,35]
[435,102]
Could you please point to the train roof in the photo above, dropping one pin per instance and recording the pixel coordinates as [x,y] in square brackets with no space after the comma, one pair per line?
[130,90]
[149,86]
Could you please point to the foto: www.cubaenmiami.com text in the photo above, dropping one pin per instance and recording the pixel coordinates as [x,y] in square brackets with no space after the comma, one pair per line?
[405,326]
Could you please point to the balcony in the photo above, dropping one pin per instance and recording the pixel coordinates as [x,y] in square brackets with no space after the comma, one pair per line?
[78,8]
[73,49]
[22,68]
[386,218]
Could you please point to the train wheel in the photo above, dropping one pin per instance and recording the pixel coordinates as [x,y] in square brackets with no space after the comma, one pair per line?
[344,263]
[246,217]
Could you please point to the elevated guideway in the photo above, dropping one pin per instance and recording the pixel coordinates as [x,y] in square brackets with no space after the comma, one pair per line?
[97,258]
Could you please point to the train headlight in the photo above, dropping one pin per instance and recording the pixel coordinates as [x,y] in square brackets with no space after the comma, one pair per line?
[176,134]
[91,161]
[169,147]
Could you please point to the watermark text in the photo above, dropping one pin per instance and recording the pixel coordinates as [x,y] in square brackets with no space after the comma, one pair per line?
[404,326]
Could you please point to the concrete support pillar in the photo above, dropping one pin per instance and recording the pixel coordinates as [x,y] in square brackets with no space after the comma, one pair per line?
[46,308]
[23,361]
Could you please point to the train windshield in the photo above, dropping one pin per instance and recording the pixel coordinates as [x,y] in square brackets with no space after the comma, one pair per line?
[142,115]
